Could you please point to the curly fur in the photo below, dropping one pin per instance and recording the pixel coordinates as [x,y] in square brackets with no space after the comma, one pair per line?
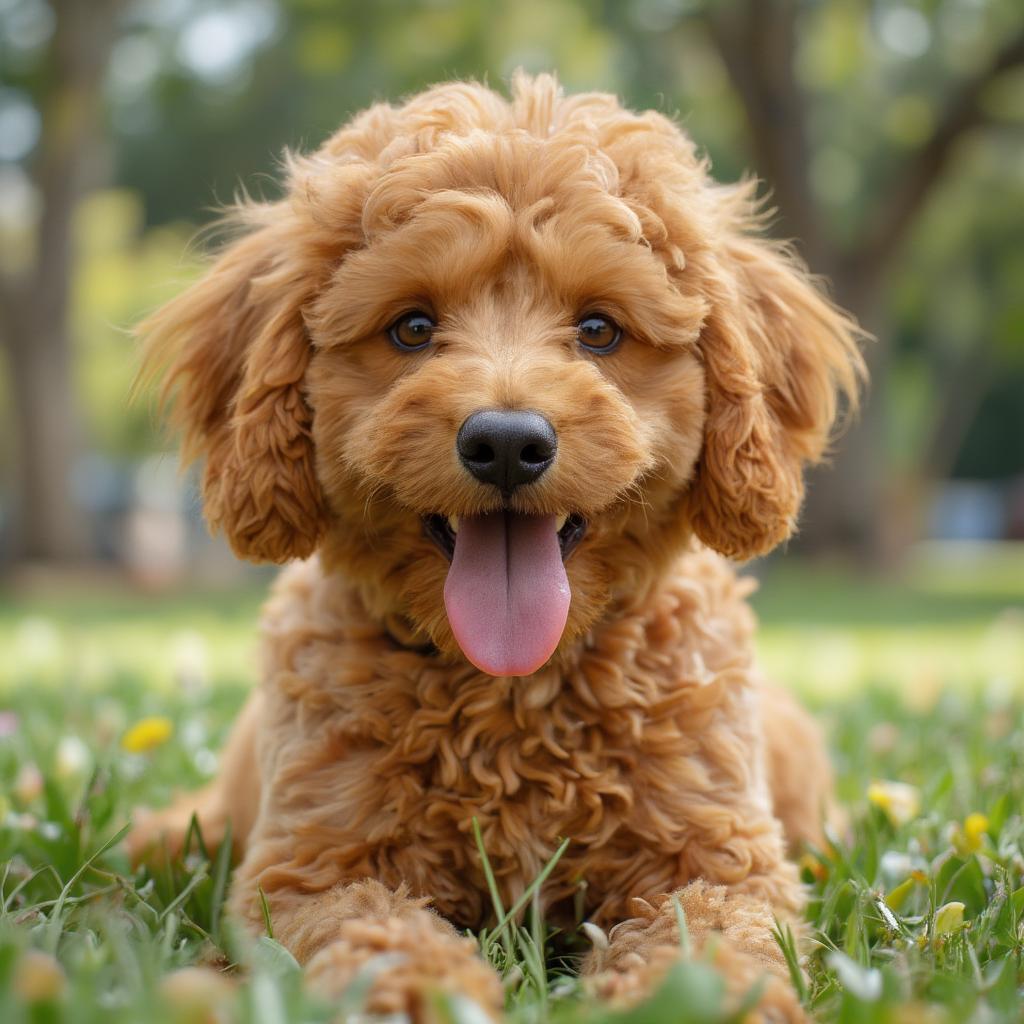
[354,775]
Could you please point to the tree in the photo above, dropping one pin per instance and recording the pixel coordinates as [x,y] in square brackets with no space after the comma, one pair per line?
[757,41]
[34,303]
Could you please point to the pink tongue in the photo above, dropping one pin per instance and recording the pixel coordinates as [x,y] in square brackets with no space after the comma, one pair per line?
[507,594]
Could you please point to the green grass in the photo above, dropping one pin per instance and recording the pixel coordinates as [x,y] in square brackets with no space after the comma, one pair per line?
[919,682]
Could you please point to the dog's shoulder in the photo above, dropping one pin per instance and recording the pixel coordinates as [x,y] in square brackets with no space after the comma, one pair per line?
[708,593]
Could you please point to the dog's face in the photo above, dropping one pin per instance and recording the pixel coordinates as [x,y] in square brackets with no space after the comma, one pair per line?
[498,362]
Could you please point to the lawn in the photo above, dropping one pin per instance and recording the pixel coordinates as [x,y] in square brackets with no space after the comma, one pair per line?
[916,916]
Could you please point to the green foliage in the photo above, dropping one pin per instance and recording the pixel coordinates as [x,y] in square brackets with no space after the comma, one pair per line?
[123,273]
[190,123]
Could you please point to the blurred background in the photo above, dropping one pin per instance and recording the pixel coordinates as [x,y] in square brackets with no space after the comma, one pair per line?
[890,134]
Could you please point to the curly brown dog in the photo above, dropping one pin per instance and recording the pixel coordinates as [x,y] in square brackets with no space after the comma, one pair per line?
[510,377]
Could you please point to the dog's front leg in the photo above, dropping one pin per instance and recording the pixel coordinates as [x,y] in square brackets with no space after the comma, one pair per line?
[731,926]
[408,952]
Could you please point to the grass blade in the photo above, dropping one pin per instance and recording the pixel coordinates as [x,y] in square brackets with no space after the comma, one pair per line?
[53,931]
[221,871]
[533,887]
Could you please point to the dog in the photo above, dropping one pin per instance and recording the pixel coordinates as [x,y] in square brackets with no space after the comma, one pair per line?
[509,383]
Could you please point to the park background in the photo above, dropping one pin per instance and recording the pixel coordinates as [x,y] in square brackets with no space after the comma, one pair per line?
[889,135]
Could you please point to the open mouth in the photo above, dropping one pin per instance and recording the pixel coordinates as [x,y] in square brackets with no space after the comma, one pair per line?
[443,529]
[507,594]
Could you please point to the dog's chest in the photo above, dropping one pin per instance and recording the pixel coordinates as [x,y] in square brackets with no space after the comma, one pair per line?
[533,762]
[630,753]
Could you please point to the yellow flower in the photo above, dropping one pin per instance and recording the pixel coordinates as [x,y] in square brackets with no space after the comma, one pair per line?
[814,867]
[971,837]
[949,918]
[975,827]
[147,734]
[900,801]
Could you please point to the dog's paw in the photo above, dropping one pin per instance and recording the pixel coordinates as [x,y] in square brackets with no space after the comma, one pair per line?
[731,932]
[631,977]
[406,964]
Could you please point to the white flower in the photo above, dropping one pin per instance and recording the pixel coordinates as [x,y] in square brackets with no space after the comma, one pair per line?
[72,758]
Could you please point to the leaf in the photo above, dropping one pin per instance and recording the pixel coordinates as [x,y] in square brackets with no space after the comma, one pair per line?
[273,958]
[863,983]
[266,1001]
[949,918]
[460,1009]
[690,984]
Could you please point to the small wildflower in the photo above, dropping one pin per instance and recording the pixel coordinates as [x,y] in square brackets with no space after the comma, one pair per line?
[975,827]
[72,758]
[191,659]
[39,978]
[970,837]
[899,801]
[49,830]
[28,784]
[809,864]
[895,865]
[206,761]
[865,983]
[949,918]
[147,734]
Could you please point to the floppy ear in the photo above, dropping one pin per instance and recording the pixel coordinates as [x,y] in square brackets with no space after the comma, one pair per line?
[778,356]
[235,351]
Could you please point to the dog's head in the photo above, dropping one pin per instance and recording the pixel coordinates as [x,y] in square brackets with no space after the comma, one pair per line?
[488,354]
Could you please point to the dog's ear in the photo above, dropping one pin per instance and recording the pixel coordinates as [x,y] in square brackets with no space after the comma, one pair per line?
[233,349]
[779,360]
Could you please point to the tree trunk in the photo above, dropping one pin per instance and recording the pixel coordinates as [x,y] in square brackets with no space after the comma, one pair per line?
[47,525]
[851,505]
[846,495]
[35,329]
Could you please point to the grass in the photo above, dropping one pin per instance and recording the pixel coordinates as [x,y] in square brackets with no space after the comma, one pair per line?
[917,916]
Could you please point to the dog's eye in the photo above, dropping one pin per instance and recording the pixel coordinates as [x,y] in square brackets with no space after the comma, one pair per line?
[412,331]
[598,333]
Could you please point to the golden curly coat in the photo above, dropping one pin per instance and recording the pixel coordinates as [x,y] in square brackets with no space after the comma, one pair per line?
[354,774]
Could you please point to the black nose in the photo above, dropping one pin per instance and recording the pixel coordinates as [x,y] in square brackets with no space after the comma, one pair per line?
[506,448]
